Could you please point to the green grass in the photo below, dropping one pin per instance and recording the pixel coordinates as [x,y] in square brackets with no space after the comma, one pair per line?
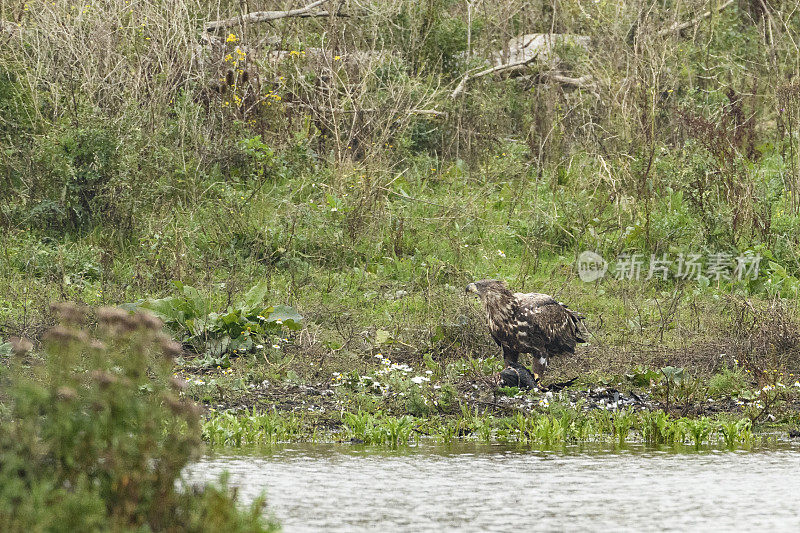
[552,427]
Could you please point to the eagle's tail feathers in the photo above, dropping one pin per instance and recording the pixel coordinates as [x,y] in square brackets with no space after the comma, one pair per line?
[581,333]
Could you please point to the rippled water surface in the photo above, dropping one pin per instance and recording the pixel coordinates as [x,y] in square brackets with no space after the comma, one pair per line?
[493,488]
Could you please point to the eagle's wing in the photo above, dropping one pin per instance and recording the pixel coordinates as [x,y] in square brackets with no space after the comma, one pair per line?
[543,323]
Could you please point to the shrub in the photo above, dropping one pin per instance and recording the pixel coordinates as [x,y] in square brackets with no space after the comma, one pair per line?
[96,435]
[729,382]
[217,335]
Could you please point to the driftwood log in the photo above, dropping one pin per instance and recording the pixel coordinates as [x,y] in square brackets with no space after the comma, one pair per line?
[522,51]
[540,47]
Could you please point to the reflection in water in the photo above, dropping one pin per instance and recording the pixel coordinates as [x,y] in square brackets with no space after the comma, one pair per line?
[493,488]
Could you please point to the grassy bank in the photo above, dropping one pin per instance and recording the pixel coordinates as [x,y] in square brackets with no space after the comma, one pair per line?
[557,428]
[392,406]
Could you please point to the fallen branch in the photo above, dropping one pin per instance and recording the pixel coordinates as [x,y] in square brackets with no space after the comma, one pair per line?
[584,82]
[429,112]
[680,26]
[493,70]
[265,16]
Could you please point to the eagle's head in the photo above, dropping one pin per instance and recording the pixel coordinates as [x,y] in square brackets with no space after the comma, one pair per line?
[489,288]
[482,287]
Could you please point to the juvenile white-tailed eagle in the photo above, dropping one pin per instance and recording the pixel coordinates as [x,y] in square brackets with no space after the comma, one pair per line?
[531,323]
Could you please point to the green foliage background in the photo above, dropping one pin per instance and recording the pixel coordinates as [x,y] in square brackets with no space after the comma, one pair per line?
[327,160]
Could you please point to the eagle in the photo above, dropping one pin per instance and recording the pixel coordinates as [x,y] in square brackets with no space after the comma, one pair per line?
[532,323]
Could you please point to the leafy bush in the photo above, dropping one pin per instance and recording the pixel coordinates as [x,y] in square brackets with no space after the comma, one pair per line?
[5,348]
[217,335]
[96,435]
[727,383]
[77,168]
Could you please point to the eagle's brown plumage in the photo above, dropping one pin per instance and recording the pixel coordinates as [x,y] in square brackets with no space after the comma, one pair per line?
[528,323]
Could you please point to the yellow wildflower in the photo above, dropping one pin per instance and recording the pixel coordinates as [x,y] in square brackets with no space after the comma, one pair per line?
[232,38]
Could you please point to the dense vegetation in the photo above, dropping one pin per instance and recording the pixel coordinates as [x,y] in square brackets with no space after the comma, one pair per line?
[236,179]
[94,437]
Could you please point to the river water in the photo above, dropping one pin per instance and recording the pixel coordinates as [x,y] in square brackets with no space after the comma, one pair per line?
[494,488]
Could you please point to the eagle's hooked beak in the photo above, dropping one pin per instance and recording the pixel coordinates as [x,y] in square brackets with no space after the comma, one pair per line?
[472,288]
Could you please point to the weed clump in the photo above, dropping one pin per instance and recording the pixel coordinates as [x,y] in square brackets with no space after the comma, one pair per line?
[95,434]
[729,382]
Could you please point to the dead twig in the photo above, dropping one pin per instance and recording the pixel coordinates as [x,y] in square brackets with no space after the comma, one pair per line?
[429,112]
[265,16]
[11,29]
[493,70]
[680,26]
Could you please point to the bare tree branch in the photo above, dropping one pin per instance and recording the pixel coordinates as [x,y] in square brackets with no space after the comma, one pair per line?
[264,16]
[429,112]
[680,26]
[493,70]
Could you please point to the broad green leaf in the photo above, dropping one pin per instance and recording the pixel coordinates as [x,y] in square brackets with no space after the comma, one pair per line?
[5,348]
[168,309]
[242,342]
[286,316]
[214,321]
[254,298]
[382,337]
[216,347]
[231,318]
[263,313]
[196,303]
[676,375]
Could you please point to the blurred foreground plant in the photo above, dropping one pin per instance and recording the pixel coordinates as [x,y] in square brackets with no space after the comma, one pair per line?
[94,435]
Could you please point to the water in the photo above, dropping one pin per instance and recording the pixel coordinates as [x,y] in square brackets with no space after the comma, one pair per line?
[495,488]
